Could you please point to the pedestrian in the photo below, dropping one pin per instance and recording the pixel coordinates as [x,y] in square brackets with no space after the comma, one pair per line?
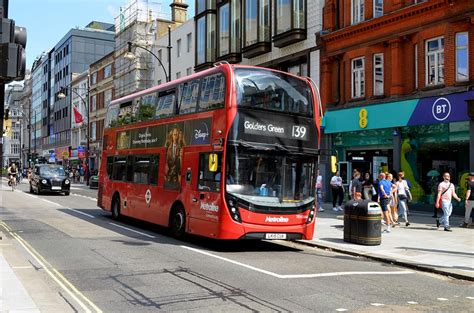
[393,200]
[337,192]
[356,186]
[469,200]
[446,191]
[367,186]
[385,191]
[81,175]
[319,190]
[402,195]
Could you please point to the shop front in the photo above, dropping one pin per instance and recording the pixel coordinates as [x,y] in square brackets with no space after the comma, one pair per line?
[423,137]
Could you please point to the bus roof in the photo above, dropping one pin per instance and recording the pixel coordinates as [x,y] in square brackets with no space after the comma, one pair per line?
[218,67]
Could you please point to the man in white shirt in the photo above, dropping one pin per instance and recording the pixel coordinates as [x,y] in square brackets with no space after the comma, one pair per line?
[337,192]
[446,192]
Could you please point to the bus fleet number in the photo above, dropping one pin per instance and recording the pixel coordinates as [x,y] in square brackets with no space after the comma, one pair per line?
[299,131]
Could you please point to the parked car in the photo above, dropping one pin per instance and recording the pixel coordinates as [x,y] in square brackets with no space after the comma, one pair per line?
[94,182]
[49,178]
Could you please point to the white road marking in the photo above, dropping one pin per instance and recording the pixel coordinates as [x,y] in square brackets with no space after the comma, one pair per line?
[51,202]
[412,302]
[22,267]
[470,298]
[77,211]
[442,299]
[377,304]
[87,197]
[341,310]
[297,275]
[133,230]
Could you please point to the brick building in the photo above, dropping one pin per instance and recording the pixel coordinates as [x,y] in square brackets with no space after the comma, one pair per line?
[396,78]
[101,84]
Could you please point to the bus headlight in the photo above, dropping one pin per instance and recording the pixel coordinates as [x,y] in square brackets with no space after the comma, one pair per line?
[312,210]
[233,207]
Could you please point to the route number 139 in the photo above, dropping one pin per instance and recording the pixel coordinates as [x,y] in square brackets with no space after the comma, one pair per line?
[299,132]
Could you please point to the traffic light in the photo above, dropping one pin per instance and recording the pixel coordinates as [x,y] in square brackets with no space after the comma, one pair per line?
[12,51]
[333,164]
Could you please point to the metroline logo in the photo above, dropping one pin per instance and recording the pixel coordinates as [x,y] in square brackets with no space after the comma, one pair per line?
[272,219]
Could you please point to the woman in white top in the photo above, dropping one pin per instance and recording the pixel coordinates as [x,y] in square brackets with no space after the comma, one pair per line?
[402,188]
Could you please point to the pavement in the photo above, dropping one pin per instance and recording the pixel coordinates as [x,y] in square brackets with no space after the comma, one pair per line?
[421,245]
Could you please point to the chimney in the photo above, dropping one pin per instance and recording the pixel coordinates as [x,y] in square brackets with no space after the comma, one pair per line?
[178,11]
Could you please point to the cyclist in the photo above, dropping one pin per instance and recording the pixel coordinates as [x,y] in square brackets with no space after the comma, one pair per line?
[12,173]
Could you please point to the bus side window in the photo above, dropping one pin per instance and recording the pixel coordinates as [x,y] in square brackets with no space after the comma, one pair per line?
[209,181]
[212,92]
[141,168]
[119,168]
[154,167]
[110,166]
[129,172]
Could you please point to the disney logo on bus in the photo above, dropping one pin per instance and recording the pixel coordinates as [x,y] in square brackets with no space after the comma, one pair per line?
[200,133]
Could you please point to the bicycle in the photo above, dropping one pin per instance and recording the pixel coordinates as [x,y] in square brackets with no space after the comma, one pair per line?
[12,182]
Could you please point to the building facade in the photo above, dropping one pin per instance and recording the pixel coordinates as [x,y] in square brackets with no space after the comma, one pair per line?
[72,54]
[396,78]
[39,101]
[101,84]
[278,34]
[79,104]
[12,125]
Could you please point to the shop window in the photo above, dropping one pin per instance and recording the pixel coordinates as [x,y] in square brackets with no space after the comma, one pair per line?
[290,22]
[434,61]
[209,181]
[212,94]
[256,25]
[378,8]
[358,78]
[462,64]
[378,74]
[357,11]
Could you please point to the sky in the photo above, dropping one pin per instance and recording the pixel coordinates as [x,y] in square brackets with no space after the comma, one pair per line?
[47,21]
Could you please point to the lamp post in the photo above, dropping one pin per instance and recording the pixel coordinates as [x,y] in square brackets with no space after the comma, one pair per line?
[62,95]
[130,55]
[18,124]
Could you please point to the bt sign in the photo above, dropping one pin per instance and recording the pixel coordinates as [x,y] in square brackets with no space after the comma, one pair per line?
[441,109]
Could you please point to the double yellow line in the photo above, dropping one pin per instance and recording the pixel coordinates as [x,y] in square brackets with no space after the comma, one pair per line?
[86,304]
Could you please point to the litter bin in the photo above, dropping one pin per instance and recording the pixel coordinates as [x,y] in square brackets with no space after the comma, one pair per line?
[363,222]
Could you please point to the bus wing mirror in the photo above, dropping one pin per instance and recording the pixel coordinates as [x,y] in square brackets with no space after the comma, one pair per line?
[213,162]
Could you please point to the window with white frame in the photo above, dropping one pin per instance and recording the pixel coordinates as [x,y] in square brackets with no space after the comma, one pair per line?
[378,8]
[435,61]
[357,11]
[178,48]
[189,40]
[358,78]
[462,64]
[108,71]
[378,74]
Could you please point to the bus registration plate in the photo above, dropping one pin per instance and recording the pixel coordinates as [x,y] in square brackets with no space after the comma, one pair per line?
[272,236]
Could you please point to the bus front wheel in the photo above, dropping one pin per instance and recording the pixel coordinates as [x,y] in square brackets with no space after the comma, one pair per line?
[178,222]
[116,208]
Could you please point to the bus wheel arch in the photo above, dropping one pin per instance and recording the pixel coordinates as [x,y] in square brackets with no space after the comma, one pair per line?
[177,220]
[115,207]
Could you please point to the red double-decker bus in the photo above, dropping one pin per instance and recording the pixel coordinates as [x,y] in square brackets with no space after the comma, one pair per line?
[227,153]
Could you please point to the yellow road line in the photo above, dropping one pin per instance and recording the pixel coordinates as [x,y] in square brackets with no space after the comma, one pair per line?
[62,281]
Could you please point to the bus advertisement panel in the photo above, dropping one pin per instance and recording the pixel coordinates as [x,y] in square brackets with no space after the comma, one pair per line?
[227,153]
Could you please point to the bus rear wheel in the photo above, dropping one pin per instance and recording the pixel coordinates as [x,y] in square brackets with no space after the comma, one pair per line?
[178,222]
[116,208]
